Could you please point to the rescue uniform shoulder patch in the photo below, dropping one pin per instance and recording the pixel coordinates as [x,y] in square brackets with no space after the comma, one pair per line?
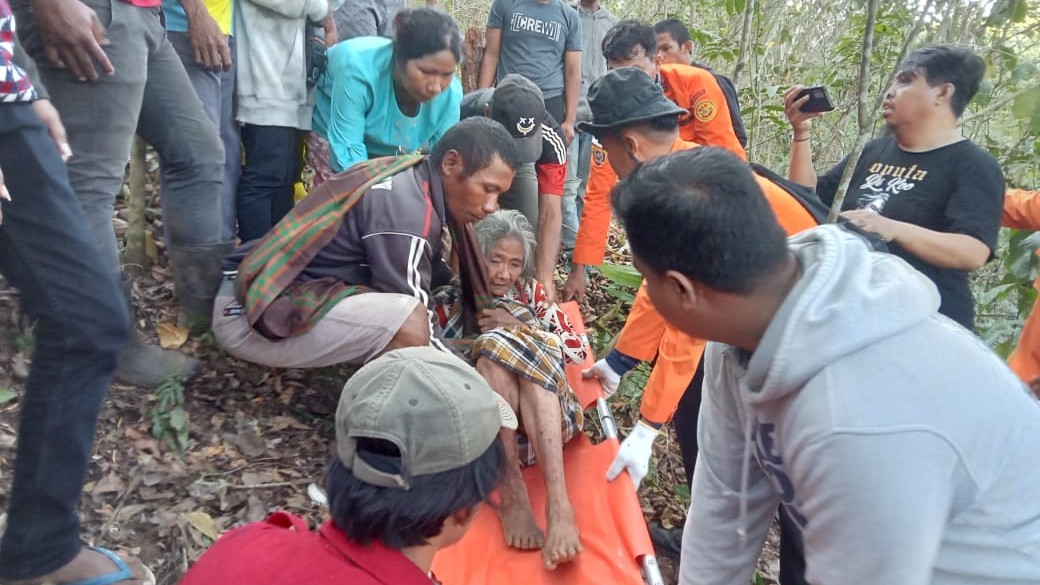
[705,110]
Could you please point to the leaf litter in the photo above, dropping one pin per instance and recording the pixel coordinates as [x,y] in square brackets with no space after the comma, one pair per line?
[259,440]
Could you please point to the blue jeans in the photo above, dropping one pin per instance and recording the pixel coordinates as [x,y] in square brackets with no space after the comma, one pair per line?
[151,95]
[49,255]
[216,90]
[578,161]
[273,161]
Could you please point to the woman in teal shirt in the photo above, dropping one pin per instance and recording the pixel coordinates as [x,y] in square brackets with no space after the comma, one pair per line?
[381,98]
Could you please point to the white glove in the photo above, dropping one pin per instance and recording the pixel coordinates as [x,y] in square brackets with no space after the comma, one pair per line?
[606,376]
[634,454]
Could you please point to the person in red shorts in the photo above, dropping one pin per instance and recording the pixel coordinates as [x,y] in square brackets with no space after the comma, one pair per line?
[417,453]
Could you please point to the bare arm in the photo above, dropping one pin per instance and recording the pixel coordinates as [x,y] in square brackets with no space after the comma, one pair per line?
[72,37]
[571,89]
[550,222]
[574,286]
[800,168]
[208,43]
[489,65]
[1021,209]
[945,250]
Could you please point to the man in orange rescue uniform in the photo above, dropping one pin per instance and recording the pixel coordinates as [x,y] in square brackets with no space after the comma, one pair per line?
[634,122]
[705,120]
[1022,211]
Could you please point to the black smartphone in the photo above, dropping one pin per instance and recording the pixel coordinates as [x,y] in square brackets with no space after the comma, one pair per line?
[819,101]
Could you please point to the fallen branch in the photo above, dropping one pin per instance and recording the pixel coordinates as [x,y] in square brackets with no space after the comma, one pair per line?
[866,115]
[273,484]
[135,253]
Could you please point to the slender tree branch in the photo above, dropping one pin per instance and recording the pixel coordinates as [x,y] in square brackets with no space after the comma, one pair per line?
[864,111]
[135,253]
[910,38]
[745,42]
[997,105]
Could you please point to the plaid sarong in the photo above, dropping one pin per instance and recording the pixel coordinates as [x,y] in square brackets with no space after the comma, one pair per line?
[532,353]
[267,274]
[525,350]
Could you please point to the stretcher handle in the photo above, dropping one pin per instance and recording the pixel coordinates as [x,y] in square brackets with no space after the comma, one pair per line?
[606,418]
[652,571]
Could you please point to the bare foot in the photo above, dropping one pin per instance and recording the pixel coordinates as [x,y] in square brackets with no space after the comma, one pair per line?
[519,526]
[563,542]
[90,563]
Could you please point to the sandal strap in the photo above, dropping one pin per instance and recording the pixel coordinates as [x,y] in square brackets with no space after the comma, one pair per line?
[122,572]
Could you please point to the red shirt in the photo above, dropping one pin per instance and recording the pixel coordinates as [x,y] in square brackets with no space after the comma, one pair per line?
[144,3]
[282,550]
[15,85]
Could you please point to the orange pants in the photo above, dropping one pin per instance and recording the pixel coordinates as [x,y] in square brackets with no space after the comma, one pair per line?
[647,335]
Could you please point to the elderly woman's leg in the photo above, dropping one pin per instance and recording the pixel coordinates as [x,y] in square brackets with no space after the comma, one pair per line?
[540,414]
[518,524]
[542,424]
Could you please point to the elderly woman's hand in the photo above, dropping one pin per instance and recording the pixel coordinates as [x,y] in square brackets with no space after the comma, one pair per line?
[497,317]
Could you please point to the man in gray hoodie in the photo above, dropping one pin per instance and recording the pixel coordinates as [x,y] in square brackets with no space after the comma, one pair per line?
[905,450]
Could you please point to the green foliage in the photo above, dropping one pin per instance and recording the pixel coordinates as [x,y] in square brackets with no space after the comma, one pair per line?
[7,395]
[623,282]
[169,419]
[1004,292]
[682,494]
[1026,108]
[760,579]
[1008,10]
[21,336]
[630,392]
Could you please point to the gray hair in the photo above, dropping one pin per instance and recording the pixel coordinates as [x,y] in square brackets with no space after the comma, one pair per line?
[506,223]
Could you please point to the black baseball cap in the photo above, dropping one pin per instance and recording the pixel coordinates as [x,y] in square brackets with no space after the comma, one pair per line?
[624,96]
[517,104]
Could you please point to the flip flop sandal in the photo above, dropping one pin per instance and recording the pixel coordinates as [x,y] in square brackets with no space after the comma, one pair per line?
[122,572]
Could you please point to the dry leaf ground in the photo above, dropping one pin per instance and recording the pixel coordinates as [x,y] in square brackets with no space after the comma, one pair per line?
[256,438]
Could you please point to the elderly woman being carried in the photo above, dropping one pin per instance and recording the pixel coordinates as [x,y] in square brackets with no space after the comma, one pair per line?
[523,344]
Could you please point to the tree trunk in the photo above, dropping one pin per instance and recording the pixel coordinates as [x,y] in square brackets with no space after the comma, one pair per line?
[135,255]
[865,112]
[918,25]
[473,54]
[745,42]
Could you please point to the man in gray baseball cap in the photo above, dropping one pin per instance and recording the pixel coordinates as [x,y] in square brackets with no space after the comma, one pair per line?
[431,408]
[537,190]
[417,452]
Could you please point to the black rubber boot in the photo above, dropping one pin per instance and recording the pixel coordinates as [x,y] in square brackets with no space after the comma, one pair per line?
[144,365]
[667,542]
[196,278]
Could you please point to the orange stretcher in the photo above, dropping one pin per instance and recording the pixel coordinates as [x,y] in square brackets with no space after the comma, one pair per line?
[617,547]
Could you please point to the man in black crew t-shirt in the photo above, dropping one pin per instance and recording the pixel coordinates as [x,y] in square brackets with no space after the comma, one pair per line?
[932,194]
